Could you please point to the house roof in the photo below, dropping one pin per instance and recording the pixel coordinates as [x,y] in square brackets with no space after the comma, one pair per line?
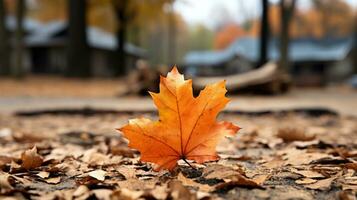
[103,40]
[43,34]
[300,50]
[29,24]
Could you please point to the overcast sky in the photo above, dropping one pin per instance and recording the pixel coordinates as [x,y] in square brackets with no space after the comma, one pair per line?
[210,12]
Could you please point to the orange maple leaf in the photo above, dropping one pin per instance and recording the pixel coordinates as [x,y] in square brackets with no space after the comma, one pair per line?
[187,126]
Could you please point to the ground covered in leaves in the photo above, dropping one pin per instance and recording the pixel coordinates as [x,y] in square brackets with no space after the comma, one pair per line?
[274,156]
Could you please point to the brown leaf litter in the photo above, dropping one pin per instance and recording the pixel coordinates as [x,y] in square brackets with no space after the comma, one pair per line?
[82,157]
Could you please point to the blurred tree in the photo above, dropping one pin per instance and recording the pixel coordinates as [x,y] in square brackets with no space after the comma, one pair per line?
[354,48]
[336,16]
[286,9]
[172,45]
[201,38]
[124,13]
[253,27]
[184,39]
[100,13]
[264,33]
[135,13]
[158,40]
[4,44]
[78,58]
[275,19]
[19,48]
[46,11]
[144,19]
[324,18]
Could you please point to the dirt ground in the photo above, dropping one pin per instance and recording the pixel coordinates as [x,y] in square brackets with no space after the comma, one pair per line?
[275,156]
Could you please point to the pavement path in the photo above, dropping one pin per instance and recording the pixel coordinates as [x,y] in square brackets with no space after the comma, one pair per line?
[344,102]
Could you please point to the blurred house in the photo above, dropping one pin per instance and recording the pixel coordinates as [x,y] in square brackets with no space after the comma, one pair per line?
[313,62]
[46,47]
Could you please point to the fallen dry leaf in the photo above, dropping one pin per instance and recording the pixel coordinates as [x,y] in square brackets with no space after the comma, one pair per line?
[287,175]
[80,191]
[25,181]
[98,174]
[160,192]
[305,181]
[301,157]
[31,159]
[4,132]
[351,166]
[122,151]
[349,187]
[136,184]
[221,172]
[43,174]
[344,195]
[260,179]
[274,163]
[54,180]
[238,181]
[232,177]
[323,184]
[308,173]
[179,191]
[189,182]
[187,128]
[128,172]
[126,194]
[103,194]
[94,158]
[351,180]
[5,160]
[289,134]
[4,182]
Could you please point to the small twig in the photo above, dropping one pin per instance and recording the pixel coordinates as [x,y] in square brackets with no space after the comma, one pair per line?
[188,163]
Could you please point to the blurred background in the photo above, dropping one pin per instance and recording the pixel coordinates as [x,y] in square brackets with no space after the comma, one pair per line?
[111,48]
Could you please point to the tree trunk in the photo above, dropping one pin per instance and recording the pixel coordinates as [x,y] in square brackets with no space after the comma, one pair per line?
[19,48]
[121,7]
[171,36]
[354,48]
[4,44]
[264,33]
[136,35]
[286,12]
[78,52]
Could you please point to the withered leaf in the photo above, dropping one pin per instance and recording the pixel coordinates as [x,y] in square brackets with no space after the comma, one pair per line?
[54,180]
[98,174]
[4,181]
[31,159]
[289,134]
[238,181]
[179,191]
[323,184]
[125,193]
[5,160]
[43,174]
[305,181]
[189,182]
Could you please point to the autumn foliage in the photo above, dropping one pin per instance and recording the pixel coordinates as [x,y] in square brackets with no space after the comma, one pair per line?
[228,35]
[187,128]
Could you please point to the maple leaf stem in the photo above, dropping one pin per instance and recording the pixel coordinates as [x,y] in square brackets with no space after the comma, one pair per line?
[188,163]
